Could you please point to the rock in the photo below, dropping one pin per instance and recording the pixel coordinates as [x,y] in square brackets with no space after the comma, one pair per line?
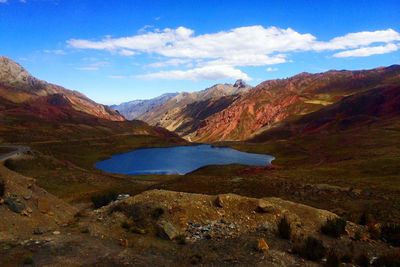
[265,206]
[25,213]
[27,197]
[39,231]
[137,230]
[123,196]
[56,233]
[262,245]
[15,204]
[240,84]
[1,201]
[237,179]
[124,243]
[43,205]
[357,192]
[167,230]
[219,201]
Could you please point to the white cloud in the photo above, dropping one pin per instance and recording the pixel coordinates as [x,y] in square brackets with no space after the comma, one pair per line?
[55,52]
[203,73]
[368,51]
[226,51]
[252,45]
[170,62]
[126,52]
[88,68]
[271,69]
[95,66]
[249,60]
[145,42]
[355,40]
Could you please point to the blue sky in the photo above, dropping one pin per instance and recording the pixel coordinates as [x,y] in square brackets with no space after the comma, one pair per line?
[115,51]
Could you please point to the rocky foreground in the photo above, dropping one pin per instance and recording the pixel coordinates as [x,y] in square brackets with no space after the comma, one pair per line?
[169,228]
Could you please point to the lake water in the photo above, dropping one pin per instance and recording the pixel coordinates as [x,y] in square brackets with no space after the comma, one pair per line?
[178,160]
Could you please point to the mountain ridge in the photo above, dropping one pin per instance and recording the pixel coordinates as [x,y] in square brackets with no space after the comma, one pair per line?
[133,109]
[19,86]
[32,110]
[226,112]
[173,113]
[274,101]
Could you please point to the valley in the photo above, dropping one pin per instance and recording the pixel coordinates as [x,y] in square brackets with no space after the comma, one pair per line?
[334,136]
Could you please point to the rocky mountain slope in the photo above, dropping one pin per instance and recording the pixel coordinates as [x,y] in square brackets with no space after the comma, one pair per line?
[185,110]
[34,110]
[275,101]
[362,109]
[18,86]
[133,109]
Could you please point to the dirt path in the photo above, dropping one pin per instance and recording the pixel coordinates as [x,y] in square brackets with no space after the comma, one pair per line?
[18,150]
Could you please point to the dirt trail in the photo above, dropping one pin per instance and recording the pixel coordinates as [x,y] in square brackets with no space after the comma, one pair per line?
[18,150]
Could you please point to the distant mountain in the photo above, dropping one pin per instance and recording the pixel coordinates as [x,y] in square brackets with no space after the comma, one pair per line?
[362,109]
[277,101]
[34,110]
[183,112]
[19,86]
[133,109]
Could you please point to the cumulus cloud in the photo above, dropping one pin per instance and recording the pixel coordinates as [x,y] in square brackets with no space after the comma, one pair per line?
[225,52]
[170,62]
[354,40]
[255,42]
[201,73]
[126,52]
[271,69]
[368,51]
[95,66]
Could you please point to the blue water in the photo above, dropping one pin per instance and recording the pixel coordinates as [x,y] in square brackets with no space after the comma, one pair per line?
[178,160]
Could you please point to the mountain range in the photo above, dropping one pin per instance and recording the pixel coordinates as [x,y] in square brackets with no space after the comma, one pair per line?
[133,109]
[182,112]
[34,110]
[226,112]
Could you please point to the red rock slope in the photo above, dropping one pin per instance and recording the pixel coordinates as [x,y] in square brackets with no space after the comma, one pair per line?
[275,101]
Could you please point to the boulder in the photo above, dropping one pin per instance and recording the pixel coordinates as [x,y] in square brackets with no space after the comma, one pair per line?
[265,206]
[39,231]
[262,245]
[167,230]
[124,243]
[219,201]
[15,204]
[222,200]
